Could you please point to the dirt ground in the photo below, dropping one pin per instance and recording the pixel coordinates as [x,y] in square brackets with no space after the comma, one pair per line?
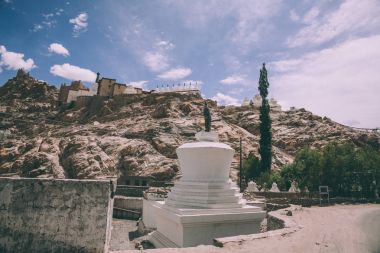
[339,228]
[122,234]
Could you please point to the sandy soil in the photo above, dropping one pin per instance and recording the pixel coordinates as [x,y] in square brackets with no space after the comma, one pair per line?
[340,228]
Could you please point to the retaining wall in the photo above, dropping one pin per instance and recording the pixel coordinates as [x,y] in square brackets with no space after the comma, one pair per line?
[47,215]
[131,191]
[129,203]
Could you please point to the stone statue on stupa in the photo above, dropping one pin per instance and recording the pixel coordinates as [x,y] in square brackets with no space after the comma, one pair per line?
[207,116]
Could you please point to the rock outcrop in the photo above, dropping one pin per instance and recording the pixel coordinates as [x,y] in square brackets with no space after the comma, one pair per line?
[137,135]
[28,94]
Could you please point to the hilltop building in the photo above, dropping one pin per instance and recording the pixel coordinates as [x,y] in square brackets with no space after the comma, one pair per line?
[68,94]
[22,74]
[185,88]
[256,102]
[274,105]
[104,87]
[108,87]
[245,102]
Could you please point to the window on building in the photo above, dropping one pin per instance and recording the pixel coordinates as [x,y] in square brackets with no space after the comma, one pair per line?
[137,182]
[127,182]
[143,183]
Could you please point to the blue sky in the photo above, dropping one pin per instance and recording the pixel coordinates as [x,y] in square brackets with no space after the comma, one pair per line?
[321,55]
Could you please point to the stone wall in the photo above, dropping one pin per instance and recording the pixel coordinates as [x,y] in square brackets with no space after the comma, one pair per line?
[46,215]
[106,87]
[131,191]
[82,101]
[274,222]
[274,195]
[129,203]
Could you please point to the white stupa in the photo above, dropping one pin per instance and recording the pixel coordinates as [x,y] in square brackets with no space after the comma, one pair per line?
[294,187]
[274,188]
[245,102]
[204,204]
[252,187]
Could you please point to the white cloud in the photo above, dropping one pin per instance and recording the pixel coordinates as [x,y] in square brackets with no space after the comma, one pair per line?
[234,79]
[140,37]
[175,74]
[37,27]
[47,16]
[58,49]
[251,17]
[223,99]
[253,20]
[138,84]
[72,72]
[237,91]
[59,12]
[47,23]
[341,82]
[311,15]
[351,17]
[167,45]
[156,61]
[294,16]
[14,61]
[80,23]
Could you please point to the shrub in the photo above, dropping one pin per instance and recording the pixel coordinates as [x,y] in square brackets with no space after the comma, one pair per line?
[344,167]
[251,167]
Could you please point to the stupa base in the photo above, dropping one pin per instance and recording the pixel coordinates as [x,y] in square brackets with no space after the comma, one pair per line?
[191,227]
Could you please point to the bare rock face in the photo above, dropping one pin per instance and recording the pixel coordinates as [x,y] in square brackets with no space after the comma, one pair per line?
[36,158]
[137,135]
[296,129]
[185,108]
[81,157]
[166,144]
[28,94]
[160,112]
[37,165]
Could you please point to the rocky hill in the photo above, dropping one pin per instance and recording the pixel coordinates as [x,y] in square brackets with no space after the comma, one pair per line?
[138,134]
[24,93]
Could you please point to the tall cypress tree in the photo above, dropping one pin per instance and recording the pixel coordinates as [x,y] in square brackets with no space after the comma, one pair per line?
[265,149]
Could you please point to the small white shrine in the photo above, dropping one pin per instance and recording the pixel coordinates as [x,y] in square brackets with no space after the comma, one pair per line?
[252,187]
[274,105]
[294,187]
[274,188]
[245,102]
[204,204]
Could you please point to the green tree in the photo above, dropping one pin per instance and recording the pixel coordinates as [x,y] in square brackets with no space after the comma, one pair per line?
[251,167]
[265,149]
[267,178]
[306,169]
[344,167]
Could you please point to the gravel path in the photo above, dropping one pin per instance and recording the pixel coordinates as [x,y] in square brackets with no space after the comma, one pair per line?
[339,228]
[122,231]
[371,226]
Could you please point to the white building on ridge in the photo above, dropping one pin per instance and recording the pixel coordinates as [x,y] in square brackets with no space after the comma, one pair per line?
[256,101]
[185,88]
